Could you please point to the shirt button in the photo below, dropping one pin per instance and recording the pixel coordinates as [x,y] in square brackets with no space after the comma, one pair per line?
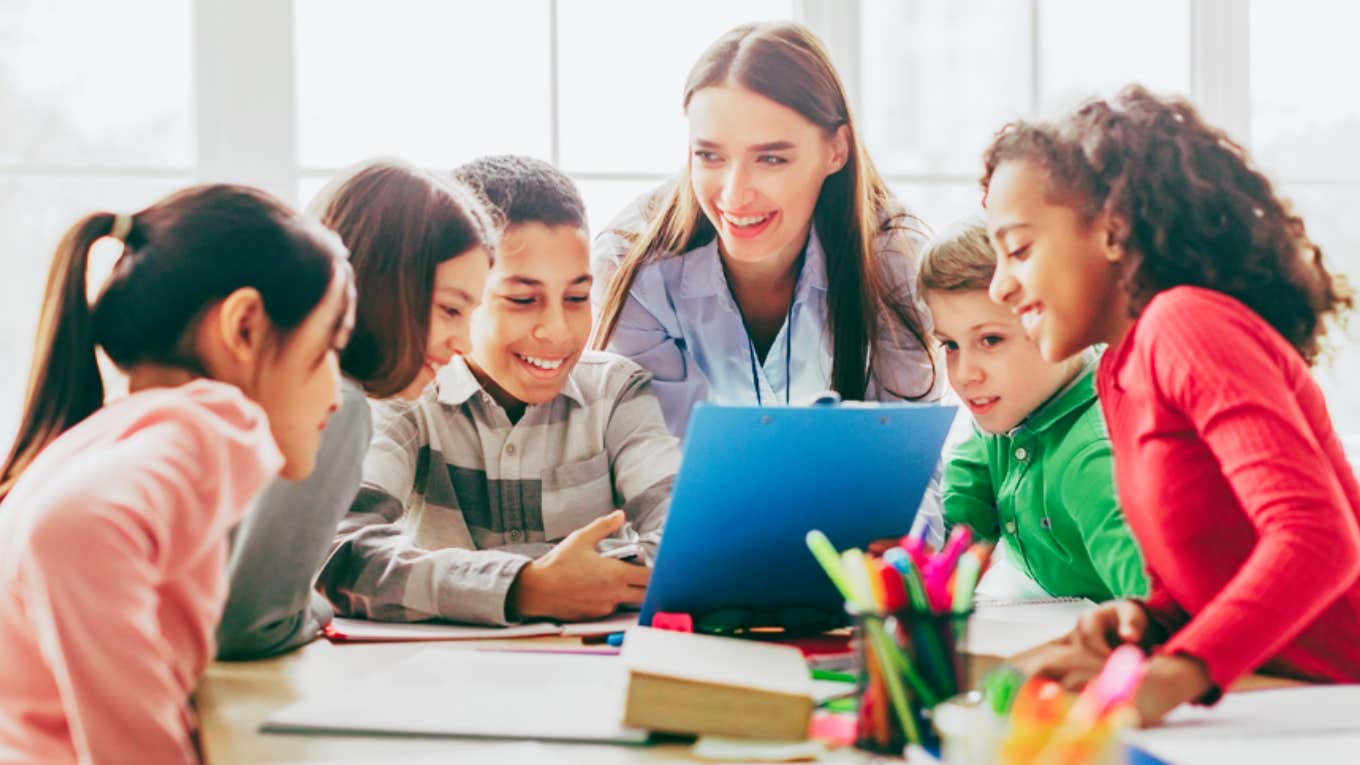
[514,535]
[1010,527]
[1021,454]
[510,449]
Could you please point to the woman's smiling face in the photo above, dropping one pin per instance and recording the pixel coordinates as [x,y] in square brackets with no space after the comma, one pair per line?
[756,168]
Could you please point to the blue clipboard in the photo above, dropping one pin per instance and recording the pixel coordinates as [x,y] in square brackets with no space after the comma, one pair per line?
[753,481]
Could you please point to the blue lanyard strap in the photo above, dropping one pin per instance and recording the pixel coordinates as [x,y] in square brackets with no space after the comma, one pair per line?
[788,351]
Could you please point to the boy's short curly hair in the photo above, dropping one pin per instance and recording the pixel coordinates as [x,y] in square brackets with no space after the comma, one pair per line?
[525,190]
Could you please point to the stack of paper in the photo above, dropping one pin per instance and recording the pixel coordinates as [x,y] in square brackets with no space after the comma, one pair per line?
[1310,724]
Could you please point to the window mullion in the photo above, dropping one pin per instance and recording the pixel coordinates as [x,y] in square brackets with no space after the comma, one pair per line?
[1220,64]
[244,94]
[837,23]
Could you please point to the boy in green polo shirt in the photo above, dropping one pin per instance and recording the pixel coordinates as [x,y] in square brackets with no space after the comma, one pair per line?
[1037,471]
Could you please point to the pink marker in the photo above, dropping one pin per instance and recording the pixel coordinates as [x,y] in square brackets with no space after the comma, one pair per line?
[916,548]
[1117,682]
[940,567]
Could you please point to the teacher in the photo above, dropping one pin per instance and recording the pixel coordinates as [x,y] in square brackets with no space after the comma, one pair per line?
[778,265]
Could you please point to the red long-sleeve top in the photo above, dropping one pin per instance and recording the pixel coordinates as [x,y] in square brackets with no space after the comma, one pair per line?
[1235,483]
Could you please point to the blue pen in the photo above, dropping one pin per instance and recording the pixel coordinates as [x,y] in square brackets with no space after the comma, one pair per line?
[616,639]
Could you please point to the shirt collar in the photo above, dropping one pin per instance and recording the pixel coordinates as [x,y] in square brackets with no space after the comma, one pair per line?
[456,384]
[1076,394]
[702,272]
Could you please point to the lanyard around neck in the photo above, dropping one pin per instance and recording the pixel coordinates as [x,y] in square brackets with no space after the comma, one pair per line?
[788,340]
[788,356]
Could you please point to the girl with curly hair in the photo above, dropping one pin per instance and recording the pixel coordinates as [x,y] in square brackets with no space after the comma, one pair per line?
[1134,223]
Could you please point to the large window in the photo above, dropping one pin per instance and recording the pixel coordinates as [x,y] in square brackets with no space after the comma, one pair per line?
[92,120]
[1305,130]
[147,95]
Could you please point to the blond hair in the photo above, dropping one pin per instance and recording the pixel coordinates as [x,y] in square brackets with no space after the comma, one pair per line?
[958,259]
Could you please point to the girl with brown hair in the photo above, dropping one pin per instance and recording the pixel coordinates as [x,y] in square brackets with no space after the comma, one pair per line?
[421,249]
[778,265]
[1134,223]
[227,312]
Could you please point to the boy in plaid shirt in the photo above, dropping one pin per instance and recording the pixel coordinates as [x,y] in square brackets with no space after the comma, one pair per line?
[510,489]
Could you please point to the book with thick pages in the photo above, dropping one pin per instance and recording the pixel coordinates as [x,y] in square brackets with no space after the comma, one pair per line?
[679,682]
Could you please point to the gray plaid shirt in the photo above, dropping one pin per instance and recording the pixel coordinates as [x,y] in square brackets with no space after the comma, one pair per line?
[455,499]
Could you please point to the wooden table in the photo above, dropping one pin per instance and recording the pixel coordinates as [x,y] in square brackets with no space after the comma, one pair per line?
[234,698]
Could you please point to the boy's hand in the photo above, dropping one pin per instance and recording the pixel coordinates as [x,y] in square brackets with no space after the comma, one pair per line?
[1110,626]
[1065,660]
[1077,657]
[574,582]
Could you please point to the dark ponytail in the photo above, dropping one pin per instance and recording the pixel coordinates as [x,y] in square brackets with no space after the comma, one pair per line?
[64,386]
[181,256]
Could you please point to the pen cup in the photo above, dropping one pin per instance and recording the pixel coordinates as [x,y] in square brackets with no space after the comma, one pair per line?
[910,661]
[970,730]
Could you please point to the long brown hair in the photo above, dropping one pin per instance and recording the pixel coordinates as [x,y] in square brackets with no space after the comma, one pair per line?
[399,223]
[786,63]
[1191,207]
[180,256]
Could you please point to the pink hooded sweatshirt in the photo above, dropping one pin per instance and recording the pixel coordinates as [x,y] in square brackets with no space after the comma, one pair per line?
[113,547]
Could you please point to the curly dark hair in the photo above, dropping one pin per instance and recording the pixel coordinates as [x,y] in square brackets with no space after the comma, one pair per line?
[525,190]
[1189,208]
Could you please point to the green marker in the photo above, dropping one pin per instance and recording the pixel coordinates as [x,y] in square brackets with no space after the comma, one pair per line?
[838,677]
[914,679]
[830,562]
[881,644]
[852,563]
[1000,687]
[965,581]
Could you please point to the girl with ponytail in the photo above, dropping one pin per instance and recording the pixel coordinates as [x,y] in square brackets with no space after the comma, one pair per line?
[226,311]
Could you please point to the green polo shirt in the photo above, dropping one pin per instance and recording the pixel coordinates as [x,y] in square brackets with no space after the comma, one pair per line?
[1047,487]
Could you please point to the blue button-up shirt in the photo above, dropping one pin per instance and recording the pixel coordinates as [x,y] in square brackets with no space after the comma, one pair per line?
[681,322]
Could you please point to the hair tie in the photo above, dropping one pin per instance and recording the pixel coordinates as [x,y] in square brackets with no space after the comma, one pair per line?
[122,226]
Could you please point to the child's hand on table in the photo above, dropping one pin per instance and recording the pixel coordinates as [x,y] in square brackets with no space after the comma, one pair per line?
[1076,658]
[1110,625]
[1171,680]
[575,582]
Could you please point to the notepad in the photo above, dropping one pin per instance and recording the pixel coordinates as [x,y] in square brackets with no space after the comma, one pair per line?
[453,692]
[1005,628]
[1304,725]
[342,630]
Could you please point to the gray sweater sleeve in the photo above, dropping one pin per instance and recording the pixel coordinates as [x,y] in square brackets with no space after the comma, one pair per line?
[279,547]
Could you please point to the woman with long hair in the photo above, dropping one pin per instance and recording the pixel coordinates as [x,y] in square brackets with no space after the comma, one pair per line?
[778,265]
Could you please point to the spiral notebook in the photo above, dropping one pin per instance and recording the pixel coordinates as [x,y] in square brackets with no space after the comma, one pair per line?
[1004,628]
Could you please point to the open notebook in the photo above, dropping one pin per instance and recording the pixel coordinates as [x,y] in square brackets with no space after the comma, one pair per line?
[342,630]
